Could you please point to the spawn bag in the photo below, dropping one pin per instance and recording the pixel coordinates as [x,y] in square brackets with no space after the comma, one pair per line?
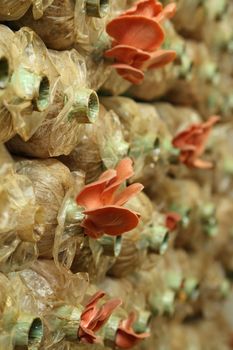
[50,180]
[101,145]
[203,73]
[141,128]
[30,90]
[11,10]
[76,24]
[117,256]
[8,313]
[201,14]
[66,22]
[56,26]
[183,336]
[73,105]
[27,327]
[221,42]
[176,118]
[69,234]
[42,290]
[19,213]
[6,66]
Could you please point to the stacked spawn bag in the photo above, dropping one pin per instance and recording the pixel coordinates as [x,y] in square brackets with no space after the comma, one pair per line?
[196,65]
[74,320]
[208,19]
[19,214]
[74,24]
[28,83]
[169,269]
[73,105]
[193,288]
[101,145]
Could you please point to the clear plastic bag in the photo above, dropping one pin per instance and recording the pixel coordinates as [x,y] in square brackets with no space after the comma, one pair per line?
[76,24]
[11,10]
[201,13]
[65,23]
[19,213]
[73,105]
[40,291]
[32,81]
[142,129]
[50,180]
[101,145]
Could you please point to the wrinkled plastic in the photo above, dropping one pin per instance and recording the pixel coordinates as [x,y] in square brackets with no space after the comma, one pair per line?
[203,74]
[100,146]
[65,25]
[11,10]
[61,129]
[56,26]
[90,258]
[68,234]
[40,291]
[32,81]
[19,213]
[8,312]
[70,23]
[138,120]
[50,180]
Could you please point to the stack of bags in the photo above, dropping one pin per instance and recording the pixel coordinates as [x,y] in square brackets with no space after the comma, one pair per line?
[116,175]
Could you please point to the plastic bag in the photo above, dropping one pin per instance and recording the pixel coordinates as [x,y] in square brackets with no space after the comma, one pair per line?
[73,105]
[176,118]
[19,213]
[201,14]
[32,81]
[11,10]
[202,75]
[50,180]
[39,290]
[141,127]
[69,234]
[65,23]
[100,146]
